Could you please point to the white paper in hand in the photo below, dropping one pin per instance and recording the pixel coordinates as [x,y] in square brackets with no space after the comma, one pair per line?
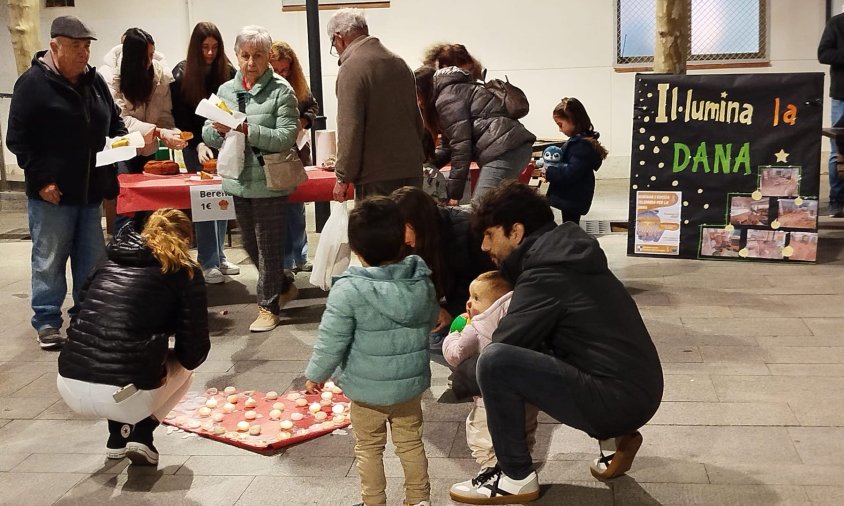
[111,155]
[207,108]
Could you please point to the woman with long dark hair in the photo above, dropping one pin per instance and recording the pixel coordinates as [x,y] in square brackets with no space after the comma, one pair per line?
[195,78]
[443,238]
[140,86]
[285,63]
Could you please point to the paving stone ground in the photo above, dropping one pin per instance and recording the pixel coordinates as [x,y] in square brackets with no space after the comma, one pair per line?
[753,412]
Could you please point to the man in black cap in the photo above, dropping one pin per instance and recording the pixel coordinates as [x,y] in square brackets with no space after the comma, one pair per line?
[60,116]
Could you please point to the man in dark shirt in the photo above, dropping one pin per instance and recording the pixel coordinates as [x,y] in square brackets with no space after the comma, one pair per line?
[831,52]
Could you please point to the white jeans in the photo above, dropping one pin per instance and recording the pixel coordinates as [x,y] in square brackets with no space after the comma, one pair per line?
[96,399]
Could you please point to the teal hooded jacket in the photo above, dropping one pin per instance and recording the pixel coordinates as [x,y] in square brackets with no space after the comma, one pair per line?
[374,332]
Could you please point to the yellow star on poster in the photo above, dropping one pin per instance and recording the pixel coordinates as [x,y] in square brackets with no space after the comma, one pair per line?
[782,156]
[723,94]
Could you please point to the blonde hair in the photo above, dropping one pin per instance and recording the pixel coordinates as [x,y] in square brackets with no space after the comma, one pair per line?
[281,50]
[495,282]
[167,233]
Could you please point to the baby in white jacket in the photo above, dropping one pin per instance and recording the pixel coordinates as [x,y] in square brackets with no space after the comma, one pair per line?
[489,299]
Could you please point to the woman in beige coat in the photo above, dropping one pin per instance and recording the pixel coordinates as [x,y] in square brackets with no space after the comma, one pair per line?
[141,90]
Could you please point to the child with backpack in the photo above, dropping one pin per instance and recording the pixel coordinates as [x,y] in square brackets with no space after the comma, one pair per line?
[375,329]
[571,171]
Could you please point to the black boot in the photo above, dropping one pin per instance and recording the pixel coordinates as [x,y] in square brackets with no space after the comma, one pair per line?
[139,448]
[118,433]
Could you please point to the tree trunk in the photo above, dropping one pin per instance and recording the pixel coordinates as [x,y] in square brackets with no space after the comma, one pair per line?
[24,23]
[672,36]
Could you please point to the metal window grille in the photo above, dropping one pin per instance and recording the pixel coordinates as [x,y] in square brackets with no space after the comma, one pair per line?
[722,31]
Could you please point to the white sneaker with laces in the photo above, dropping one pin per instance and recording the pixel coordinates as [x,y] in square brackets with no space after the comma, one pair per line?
[213,276]
[229,269]
[495,487]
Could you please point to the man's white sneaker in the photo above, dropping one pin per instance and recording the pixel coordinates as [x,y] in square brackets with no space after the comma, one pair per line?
[229,269]
[495,487]
[213,276]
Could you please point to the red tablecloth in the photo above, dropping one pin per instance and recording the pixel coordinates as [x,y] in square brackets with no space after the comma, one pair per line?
[145,192]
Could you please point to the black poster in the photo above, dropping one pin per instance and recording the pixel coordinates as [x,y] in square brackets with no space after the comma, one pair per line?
[726,166]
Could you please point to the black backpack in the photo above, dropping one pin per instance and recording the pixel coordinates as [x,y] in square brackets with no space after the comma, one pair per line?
[514,99]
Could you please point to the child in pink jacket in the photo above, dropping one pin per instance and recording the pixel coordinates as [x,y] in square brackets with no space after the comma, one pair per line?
[489,298]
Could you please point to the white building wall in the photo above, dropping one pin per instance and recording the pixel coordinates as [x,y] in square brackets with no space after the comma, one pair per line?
[550,48]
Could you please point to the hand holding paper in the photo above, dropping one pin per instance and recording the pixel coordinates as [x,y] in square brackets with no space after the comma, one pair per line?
[210,108]
[120,149]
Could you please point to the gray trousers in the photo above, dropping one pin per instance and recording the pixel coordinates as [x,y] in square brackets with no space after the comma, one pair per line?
[507,166]
[262,227]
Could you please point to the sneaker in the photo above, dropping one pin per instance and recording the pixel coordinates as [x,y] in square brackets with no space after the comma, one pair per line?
[835,210]
[118,433]
[291,294]
[492,486]
[142,454]
[50,338]
[615,464]
[139,447]
[265,322]
[305,267]
[435,341]
[229,269]
[213,276]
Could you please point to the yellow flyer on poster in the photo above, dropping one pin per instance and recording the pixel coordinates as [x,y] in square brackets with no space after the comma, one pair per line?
[658,222]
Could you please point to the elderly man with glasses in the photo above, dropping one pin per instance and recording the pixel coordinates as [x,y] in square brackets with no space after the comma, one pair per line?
[379,128]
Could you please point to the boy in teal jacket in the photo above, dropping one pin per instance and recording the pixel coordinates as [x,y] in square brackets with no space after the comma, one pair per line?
[374,332]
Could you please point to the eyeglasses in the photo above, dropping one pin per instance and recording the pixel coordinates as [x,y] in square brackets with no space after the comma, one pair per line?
[333,50]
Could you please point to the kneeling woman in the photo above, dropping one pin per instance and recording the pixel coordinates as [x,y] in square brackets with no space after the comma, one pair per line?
[117,363]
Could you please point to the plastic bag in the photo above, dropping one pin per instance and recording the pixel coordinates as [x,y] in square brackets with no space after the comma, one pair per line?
[333,252]
[230,160]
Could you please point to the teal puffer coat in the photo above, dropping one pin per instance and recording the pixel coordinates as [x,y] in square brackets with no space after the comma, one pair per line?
[375,330]
[273,116]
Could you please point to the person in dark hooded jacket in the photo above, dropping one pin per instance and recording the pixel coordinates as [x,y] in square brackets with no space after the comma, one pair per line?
[117,363]
[573,344]
[474,127]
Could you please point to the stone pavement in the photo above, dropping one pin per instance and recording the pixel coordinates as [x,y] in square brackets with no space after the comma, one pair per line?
[753,412]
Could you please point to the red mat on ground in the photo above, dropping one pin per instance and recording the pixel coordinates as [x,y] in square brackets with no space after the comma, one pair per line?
[258,420]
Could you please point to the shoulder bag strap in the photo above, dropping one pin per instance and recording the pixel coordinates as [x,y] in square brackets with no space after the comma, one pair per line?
[241,106]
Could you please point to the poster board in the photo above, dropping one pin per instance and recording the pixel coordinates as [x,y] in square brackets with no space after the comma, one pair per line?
[726,166]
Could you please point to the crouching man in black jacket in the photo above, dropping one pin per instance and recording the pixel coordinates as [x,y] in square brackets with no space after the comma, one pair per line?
[117,363]
[573,344]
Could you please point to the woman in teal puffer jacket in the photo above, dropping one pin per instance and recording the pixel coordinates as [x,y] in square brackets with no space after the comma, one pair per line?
[272,122]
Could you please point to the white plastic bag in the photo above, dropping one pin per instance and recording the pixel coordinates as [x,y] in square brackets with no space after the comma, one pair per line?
[333,252]
[230,160]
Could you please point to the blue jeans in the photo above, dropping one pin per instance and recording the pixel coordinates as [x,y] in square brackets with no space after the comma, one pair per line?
[836,184]
[210,236]
[507,166]
[58,233]
[296,240]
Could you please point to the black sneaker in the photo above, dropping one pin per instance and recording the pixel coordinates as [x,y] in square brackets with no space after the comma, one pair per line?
[118,434]
[50,338]
[139,448]
[836,210]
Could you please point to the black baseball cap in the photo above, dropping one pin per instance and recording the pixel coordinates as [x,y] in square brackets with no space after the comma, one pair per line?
[71,27]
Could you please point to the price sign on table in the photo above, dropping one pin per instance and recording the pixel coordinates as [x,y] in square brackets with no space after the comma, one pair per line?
[209,202]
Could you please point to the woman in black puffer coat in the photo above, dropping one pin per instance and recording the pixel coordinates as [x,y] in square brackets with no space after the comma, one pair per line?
[117,363]
[474,127]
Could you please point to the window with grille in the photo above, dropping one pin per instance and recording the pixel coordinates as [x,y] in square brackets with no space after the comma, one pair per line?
[722,32]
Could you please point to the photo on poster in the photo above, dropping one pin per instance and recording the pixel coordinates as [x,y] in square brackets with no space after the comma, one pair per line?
[804,246]
[766,244]
[779,181]
[746,211]
[794,213]
[658,222]
[718,242]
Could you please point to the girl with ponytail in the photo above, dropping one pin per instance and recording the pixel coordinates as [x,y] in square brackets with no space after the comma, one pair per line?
[117,363]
